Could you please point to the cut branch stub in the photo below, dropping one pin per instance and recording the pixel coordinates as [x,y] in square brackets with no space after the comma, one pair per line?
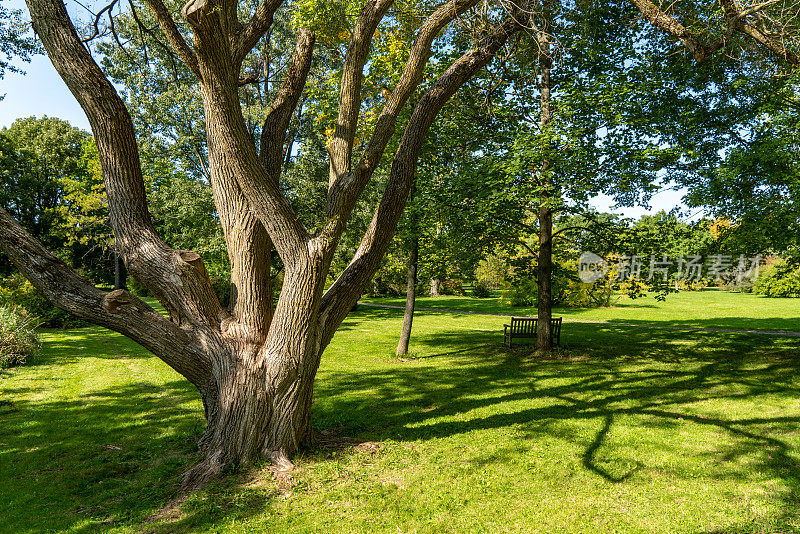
[115,300]
[194,10]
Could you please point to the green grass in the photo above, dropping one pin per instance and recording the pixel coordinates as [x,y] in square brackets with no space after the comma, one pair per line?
[709,308]
[627,430]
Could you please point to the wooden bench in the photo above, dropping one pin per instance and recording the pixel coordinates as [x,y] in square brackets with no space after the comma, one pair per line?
[524,328]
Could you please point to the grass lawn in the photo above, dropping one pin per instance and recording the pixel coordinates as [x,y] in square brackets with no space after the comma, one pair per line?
[708,308]
[628,430]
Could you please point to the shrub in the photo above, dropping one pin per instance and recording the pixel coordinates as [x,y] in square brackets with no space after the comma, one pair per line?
[781,279]
[481,290]
[18,340]
[493,271]
[452,287]
[523,293]
[17,292]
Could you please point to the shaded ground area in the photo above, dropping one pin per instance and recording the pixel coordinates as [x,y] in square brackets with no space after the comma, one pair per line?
[628,430]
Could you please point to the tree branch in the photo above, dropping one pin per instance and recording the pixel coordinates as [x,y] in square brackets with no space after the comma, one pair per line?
[273,133]
[255,29]
[148,258]
[118,310]
[340,147]
[232,152]
[735,17]
[344,191]
[346,290]
[693,43]
[173,35]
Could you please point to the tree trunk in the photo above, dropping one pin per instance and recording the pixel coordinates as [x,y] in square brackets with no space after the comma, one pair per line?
[436,285]
[544,303]
[120,273]
[544,275]
[411,287]
[257,409]
[260,403]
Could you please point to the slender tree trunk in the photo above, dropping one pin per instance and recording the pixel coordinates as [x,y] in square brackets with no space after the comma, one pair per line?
[544,339]
[411,296]
[411,287]
[120,273]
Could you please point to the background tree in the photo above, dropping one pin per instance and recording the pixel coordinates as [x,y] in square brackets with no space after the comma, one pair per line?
[15,43]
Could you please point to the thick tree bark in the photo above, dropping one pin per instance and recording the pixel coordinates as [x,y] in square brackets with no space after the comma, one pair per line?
[544,271]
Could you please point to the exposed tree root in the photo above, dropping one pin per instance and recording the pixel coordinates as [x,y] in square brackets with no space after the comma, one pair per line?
[199,476]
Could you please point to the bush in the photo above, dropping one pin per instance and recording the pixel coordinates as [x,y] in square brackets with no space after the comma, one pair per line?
[452,287]
[18,340]
[17,292]
[481,290]
[781,279]
[523,293]
[493,271]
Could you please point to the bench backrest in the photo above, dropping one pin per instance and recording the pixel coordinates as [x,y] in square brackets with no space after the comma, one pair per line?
[523,326]
[555,327]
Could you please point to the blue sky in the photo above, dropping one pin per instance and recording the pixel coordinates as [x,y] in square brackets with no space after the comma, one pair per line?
[40,91]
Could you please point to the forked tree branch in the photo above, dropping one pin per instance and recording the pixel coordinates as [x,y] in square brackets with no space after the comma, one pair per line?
[340,147]
[345,291]
[695,44]
[149,259]
[118,310]
[255,29]
[736,18]
[230,145]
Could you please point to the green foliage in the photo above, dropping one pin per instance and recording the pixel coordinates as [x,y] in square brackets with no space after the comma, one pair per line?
[15,40]
[18,339]
[17,292]
[780,279]
[50,181]
[481,290]
[36,156]
[493,271]
[523,292]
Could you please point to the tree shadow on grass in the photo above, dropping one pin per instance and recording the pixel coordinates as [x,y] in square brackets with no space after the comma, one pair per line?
[114,456]
[102,459]
[664,380]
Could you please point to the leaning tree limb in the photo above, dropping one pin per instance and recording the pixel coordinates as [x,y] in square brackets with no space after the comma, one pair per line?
[117,310]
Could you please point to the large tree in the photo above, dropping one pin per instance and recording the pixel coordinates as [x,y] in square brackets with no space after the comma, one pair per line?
[253,366]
